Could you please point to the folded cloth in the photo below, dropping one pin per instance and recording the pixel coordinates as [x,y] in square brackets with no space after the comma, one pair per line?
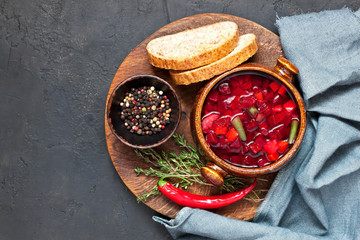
[316,196]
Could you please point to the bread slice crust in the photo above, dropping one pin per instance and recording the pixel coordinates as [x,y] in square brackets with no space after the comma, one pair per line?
[193,48]
[246,47]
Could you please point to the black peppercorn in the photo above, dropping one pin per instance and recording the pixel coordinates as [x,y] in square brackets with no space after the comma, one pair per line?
[145,110]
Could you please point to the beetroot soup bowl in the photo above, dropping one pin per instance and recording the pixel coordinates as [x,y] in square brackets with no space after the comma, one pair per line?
[249,121]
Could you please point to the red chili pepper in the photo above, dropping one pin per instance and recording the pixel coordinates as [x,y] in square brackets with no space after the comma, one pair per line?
[187,199]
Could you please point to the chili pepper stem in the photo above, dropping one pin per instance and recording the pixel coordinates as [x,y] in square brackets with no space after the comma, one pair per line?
[162,182]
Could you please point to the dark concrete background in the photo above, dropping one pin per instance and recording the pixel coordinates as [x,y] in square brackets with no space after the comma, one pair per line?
[57,60]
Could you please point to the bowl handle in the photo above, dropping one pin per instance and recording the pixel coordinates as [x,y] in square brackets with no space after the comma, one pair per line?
[286,69]
[214,174]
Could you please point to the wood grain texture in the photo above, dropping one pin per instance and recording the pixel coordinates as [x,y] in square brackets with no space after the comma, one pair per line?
[124,158]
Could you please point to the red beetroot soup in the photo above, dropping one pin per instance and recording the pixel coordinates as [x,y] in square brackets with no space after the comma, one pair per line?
[250,119]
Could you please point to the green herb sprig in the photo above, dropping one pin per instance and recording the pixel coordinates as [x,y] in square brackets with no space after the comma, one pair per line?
[186,164]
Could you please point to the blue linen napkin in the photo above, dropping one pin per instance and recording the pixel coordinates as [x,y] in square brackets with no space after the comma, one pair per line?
[317,196]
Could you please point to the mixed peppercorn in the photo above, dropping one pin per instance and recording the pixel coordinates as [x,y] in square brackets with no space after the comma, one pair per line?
[145,110]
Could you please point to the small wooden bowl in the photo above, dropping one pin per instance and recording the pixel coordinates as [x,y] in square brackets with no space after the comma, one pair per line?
[218,168]
[117,124]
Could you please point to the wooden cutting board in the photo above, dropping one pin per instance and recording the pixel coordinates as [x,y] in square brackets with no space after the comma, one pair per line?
[124,158]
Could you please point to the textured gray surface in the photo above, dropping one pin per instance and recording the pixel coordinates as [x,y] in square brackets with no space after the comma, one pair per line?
[57,60]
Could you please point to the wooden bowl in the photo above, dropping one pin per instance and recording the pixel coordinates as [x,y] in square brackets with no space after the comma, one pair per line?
[216,167]
[116,124]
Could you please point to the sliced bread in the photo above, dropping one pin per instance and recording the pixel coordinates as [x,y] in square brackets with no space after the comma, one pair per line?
[193,48]
[247,46]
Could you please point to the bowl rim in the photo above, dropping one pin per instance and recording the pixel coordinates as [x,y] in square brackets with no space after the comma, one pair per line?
[134,78]
[238,170]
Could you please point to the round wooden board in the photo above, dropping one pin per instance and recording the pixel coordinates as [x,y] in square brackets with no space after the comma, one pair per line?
[124,158]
